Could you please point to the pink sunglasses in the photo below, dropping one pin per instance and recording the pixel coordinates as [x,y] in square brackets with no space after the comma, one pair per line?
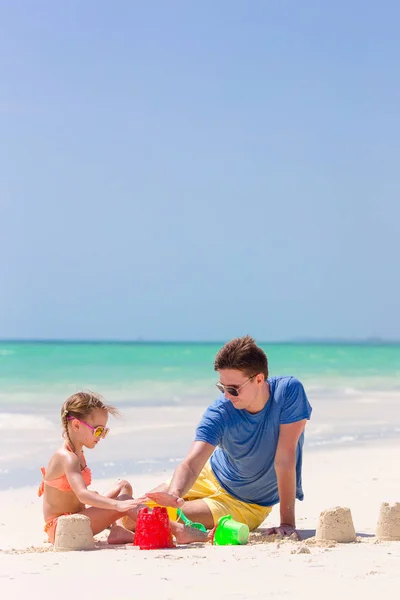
[98,432]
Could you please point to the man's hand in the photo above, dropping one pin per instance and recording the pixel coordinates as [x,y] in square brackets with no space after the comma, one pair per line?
[165,499]
[283,530]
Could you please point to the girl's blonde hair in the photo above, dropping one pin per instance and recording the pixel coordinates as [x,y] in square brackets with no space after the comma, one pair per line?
[80,405]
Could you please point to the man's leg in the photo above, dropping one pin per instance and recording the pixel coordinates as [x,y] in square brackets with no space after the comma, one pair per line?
[205,491]
[194,507]
[198,511]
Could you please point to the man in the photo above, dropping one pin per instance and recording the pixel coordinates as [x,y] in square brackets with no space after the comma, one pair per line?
[247,453]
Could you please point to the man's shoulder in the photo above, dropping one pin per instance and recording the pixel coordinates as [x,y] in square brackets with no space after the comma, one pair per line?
[283,384]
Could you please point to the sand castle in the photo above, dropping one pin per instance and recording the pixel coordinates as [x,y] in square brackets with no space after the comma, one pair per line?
[73,533]
[336,524]
[388,527]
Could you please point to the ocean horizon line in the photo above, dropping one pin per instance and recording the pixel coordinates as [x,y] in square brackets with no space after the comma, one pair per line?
[369,341]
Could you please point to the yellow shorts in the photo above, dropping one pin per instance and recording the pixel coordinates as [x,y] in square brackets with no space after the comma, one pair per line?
[221,503]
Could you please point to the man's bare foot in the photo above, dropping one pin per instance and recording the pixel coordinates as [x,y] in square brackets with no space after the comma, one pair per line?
[189,535]
[120,535]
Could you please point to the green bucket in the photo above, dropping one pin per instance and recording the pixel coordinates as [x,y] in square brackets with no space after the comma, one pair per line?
[230,533]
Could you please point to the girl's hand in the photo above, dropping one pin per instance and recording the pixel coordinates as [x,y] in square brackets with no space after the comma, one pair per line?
[126,505]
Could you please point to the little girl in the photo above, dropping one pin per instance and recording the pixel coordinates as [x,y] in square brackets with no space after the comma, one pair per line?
[65,482]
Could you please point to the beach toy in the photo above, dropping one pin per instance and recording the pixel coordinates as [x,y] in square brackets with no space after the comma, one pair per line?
[388,527]
[171,510]
[73,532]
[153,529]
[336,524]
[188,522]
[229,532]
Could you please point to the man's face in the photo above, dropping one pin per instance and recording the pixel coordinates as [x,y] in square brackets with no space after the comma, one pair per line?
[249,391]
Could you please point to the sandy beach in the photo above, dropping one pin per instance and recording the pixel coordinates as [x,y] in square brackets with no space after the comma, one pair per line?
[359,477]
[179,178]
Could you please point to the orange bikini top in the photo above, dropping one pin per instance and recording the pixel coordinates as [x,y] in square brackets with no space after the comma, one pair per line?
[62,483]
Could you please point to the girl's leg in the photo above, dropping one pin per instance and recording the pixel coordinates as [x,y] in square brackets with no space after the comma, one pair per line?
[101,518]
[121,486]
[118,530]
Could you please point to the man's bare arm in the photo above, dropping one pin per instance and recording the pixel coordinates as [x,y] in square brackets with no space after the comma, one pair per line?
[185,475]
[285,467]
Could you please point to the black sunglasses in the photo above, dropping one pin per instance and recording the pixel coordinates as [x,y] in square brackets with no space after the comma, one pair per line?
[230,389]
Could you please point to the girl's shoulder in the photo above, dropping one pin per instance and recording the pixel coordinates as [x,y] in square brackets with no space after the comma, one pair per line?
[57,463]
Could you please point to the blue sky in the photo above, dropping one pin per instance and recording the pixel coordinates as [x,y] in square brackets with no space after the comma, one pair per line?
[199,170]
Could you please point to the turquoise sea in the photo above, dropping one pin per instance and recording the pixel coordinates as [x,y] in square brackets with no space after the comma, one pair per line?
[36,376]
[354,389]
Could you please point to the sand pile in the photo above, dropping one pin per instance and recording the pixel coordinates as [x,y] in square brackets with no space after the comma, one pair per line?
[73,533]
[388,527]
[336,524]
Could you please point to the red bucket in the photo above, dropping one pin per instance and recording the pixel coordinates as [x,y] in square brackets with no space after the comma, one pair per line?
[153,529]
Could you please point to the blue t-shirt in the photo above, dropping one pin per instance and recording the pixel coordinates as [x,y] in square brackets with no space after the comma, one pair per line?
[243,461]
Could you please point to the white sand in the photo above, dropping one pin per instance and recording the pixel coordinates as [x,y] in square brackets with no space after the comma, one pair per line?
[360,478]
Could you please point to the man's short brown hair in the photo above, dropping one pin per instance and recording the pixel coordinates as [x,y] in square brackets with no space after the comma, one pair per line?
[244,355]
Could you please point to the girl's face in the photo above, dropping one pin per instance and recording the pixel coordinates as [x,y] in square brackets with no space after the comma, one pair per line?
[92,429]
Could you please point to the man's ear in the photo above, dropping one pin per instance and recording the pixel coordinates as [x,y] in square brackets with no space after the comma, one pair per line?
[260,378]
